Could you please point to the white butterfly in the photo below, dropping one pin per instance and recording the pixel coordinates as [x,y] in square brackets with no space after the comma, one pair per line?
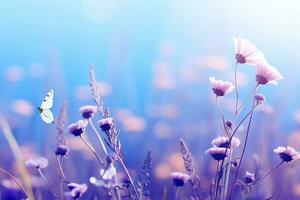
[45,106]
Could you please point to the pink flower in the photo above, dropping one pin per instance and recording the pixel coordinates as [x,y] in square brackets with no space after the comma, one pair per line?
[246,52]
[287,154]
[217,153]
[266,73]
[221,88]
[78,128]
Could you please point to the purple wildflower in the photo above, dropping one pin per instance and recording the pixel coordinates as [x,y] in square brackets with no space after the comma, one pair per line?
[179,178]
[78,128]
[266,73]
[88,111]
[61,150]
[105,124]
[248,178]
[221,88]
[246,52]
[217,153]
[224,142]
[287,154]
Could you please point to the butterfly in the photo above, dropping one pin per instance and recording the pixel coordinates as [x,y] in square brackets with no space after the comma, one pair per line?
[44,109]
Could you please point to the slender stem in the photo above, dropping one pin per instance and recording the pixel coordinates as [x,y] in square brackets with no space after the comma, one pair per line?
[243,151]
[236,90]
[60,168]
[227,176]
[98,136]
[48,185]
[222,115]
[248,97]
[128,175]
[92,149]
[177,193]
[265,176]
[217,181]
[14,179]
[233,133]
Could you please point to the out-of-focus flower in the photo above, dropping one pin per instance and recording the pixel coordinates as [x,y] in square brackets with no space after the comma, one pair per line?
[105,123]
[78,128]
[162,171]
[133,124]
[76,190]
[175,162]
[22,107]
[266,73]
[214,62]
[162,130]
[223,141]
[229,124]
[248,178]
[217,153]
[259,98]
[287,154]
[109,174]
[61,150]
[14,74]
[88,111]
[246,52]
[38,163]
[221,88]
[179,178]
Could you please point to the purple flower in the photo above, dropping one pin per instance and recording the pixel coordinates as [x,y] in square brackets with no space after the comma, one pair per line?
[246,52]
[179,178]
[224,142]
[229,124]
[76,190]
[259,98]
[287,154]
[88,111]
[61,150]
[105,123]
[217,153]
[266,73]
[248,178]
[78,128]
[38,163]
[221,88]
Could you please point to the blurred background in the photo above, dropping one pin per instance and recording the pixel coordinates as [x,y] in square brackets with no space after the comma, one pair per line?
[152,60]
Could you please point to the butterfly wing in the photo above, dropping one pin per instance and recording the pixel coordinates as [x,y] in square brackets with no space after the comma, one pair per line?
[47,116]
[47,101]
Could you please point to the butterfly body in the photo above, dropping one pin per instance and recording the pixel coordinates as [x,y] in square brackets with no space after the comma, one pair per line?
[44,108]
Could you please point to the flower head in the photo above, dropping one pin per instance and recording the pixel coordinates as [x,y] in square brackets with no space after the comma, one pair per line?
[88,111]
[221,88]
[217,153]
[229,124]
[287,154]
[61,150]
[109,174]
[179,179]
[248,178]
[38,163]
[78,128]
[259,98]
[266,73]
[246,52]
[105,123]
[224,142]
[76,190]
